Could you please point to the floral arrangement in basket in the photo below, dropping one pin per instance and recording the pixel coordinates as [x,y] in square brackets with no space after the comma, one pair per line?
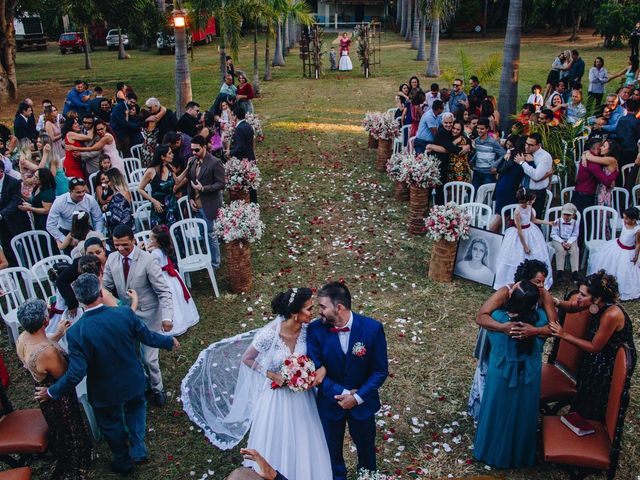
[299,373]
[449,222]
[227,132]
[239,221]
[420,170]
[386,127]
[368,475]
[241,175]
[371,119]
[253,120]
[396,168]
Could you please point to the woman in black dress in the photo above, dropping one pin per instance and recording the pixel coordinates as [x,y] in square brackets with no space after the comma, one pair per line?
[69,438]
[609,328]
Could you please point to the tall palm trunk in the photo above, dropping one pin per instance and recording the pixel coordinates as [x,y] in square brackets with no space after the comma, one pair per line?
[267,64]
[285,43]
[422,54]
[402,23]
[87,47]
[293,33]
[416,27]
[510,65]
[256,69]
[223,56]
[183,77]
[408,20]
[121,53]
[278,59]
[433,68]
[398,19]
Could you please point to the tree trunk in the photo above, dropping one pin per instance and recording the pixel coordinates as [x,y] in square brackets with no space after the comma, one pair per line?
[293,33]
[510,65]
[223,57]
[278,59]
[416,27]
[256,68]
[484,18]
[267,64]
[87,47]
[422,54]
[400,17]
[403,24]
[122,55]
[433,68]
[183,76]
[408,19]
[286,40]
[8,81]
[575,25]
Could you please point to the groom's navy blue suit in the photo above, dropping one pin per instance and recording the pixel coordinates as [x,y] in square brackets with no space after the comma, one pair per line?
[348,371]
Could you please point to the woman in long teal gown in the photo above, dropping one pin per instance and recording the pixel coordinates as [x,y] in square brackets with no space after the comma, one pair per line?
[507,425]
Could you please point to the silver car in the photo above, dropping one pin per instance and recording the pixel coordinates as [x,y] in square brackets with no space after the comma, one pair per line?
[112,39]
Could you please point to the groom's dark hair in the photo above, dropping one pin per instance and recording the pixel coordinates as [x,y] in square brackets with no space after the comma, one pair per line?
[338,293]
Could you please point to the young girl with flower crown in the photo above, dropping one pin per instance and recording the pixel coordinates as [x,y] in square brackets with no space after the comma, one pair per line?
[522,241]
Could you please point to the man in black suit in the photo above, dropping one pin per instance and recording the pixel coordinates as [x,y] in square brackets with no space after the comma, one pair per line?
[12,220]
[23,126]
[242,143]
[188,122]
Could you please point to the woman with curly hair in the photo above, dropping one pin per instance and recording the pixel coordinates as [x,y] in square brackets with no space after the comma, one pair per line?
[609,328]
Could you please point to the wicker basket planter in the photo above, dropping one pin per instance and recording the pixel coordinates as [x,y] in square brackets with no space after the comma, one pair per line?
[373,142]
[442,261]
[239,264]
[384,154]
[401,191]
[418,205]
[238,195]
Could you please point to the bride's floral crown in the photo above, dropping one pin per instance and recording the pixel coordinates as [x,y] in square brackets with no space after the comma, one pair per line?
[293,295]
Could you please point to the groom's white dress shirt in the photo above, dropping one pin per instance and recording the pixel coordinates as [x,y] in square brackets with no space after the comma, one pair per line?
[344,345]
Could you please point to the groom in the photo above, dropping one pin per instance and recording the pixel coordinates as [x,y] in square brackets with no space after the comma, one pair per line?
[353,350]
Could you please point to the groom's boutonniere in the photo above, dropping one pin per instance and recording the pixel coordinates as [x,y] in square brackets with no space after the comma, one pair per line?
[359,350]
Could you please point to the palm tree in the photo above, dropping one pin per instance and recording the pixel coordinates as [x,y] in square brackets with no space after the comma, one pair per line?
[416,27]
[437,11]
[422,54]
[183,76]
[295,9]
[408,17]
[510,65]
[402,14]
[278,57]
[82,13]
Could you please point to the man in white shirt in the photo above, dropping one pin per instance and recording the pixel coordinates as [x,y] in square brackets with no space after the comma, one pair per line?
[536,179]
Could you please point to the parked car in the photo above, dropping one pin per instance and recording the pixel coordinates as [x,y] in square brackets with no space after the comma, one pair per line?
[71,42]
[166,42]
[112,39]
[29,32]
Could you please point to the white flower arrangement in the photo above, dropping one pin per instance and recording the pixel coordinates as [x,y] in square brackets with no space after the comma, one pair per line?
[421,170]
[253,120]
[396,168]
[241,175]
[239,221]
[450,222]
[370,120]
[382,126]
[368,475]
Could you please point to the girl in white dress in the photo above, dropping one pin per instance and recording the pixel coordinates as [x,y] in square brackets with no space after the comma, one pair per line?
[185,313]
[227,392]
[522,241]
[619,257]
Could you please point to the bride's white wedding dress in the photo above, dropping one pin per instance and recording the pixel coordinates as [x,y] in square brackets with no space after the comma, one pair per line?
[225,397]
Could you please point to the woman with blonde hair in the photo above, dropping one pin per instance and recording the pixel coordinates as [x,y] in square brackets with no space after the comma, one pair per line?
[119,209]
[48,158]
[27,167]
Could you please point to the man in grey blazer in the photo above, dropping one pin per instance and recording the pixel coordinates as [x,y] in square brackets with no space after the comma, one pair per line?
[132,268]
[205,177]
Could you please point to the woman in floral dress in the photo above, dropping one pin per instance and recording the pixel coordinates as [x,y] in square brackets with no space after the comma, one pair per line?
[459,170]
[159,175]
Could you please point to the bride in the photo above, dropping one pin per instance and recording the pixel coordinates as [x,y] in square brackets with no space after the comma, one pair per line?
[284,426]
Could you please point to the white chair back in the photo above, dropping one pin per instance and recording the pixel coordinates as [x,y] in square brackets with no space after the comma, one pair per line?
[130,165]
[626,171]
[136,175]
[136,198]
[597,223]
[548,200]
[43,286]
[142,237]
[484,194]
[578,149]
[142,217]
[136,151]
[566,194]
[635,196]
[619,200]
[31,247]
[507,214]
[410,146]
[459,192]
[480,214]
[16,285]
[399,142]
[184,208]
[92,182]
[553,214]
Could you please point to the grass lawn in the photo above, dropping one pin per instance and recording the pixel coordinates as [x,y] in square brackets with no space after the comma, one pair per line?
[329,215]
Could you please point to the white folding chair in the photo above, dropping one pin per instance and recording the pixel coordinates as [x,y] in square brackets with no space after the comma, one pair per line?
[507,214]
[142,217]
[484,194]
[596,227]
[192,252]
[459,192]
[136,175]
[625,171]
[43,286]
[16,286]
[392,110]
[136,197]
[184,208]
[130,165]
[556,184]
[566,194]
[635,196]
[549,200]
[91,183]
[398,142]
[31,247]
[480,214]
[142,237]
[136,151]
[619,202]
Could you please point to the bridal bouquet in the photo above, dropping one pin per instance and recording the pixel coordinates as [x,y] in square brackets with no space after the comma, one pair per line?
[386,127]
[241,175]
[239,221]
[450,222]
[298,372]
[367,475]
[421,170]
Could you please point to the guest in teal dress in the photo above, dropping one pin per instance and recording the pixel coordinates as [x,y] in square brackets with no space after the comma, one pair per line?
[506,435]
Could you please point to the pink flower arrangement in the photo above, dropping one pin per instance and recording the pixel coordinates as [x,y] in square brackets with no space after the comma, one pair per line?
[241,175]
[396,168]
[253,120]
[381,126]
[239,221]
[420,170]
[299,372]
[450,222]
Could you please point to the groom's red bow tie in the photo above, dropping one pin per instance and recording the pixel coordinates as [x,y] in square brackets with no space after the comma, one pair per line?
[336,330]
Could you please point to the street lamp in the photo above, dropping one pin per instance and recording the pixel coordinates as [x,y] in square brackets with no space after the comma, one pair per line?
[183,77]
